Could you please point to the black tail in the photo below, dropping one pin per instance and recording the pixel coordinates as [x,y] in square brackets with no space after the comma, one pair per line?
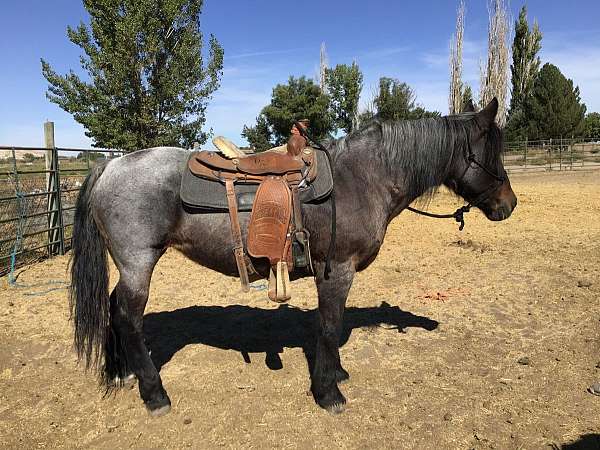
[89,301]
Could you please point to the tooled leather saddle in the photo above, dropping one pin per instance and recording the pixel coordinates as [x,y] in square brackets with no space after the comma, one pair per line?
[277,182]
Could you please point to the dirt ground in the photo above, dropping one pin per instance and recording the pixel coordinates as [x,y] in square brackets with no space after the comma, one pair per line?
[486,338]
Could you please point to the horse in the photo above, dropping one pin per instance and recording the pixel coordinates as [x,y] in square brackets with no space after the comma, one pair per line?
[130,208]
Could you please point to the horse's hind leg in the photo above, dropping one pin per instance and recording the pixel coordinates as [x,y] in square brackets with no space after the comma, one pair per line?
[327,370]
[126,351]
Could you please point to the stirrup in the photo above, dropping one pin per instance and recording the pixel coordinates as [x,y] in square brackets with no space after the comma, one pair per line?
[279,283]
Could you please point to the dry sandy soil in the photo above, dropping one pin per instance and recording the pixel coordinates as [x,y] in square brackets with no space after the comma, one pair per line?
[482,339]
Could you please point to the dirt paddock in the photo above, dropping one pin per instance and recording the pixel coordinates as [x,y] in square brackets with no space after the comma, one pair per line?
[486,338]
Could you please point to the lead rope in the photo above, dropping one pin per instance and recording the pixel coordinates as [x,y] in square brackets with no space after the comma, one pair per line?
[458,215]
[304,132]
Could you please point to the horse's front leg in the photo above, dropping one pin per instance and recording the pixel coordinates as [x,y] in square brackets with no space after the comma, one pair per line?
[327,369]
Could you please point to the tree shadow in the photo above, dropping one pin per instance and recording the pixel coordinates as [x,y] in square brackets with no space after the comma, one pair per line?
[255,330]
[585,442]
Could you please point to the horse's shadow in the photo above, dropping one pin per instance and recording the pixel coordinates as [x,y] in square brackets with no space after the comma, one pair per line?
[254,330]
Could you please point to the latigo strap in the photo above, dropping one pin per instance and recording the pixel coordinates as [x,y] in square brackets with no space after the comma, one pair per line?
[236,232]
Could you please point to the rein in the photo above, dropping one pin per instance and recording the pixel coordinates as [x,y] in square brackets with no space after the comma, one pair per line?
[458,215]
[304,132]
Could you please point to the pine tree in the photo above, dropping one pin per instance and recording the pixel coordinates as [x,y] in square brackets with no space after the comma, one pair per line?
[344,84]
[466,99]
[553,109]
[147,82]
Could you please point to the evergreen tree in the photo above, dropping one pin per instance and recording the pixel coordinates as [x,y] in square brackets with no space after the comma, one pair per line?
[524,68]
[466,100]
[553,109]
[148,82]
[344,84]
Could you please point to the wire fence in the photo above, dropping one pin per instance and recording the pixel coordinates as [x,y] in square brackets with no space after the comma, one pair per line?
[38,191]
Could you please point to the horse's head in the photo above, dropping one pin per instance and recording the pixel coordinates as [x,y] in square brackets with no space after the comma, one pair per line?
[477,174]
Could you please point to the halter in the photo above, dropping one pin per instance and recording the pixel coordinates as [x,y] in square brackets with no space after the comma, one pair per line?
[458,215]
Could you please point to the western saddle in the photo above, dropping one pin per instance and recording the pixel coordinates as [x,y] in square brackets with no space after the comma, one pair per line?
[275,230]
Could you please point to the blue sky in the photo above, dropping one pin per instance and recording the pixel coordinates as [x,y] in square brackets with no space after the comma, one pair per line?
[266,41]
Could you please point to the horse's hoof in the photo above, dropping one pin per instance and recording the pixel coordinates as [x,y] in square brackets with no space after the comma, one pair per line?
[594,389]
[333,401]
[161,411]
[336,408]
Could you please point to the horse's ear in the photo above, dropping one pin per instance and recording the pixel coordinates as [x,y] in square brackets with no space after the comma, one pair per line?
[487,115]
[469,107]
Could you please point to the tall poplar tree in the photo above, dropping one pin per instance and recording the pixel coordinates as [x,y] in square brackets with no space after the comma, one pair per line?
[524,68]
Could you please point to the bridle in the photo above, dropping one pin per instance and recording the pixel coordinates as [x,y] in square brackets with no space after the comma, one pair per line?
[458,215]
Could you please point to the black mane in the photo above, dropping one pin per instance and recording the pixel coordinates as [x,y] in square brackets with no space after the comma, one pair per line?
[421,151]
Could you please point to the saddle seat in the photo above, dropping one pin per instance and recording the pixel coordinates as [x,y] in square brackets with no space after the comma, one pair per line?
[275,230]
[292,157]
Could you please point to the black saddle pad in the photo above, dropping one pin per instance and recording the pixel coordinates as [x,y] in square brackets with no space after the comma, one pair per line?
[202,195]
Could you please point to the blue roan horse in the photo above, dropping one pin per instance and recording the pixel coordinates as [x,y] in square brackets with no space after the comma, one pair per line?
[131,208]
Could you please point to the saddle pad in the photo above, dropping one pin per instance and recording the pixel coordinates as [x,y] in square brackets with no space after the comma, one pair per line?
[200,195]
[270,220]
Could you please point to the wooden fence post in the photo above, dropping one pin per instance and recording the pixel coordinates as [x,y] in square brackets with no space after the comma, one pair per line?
[53,209]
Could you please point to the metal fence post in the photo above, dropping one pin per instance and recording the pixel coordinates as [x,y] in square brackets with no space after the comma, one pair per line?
[526,139]
[571,153]
[560,154]
[52,188]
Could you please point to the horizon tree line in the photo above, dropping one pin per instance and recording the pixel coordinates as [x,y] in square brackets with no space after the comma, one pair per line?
[150,76]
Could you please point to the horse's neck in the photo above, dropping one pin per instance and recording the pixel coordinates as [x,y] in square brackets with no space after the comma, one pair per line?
[392,183]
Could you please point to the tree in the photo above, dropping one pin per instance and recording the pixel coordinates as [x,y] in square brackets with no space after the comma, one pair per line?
[494,75]
[554,108]
[466,100]
[526,62]
[323,66]
[524,69]
[259,136]
[148,82]
[344,84]
[456,61]
[592,125]
[421,113]
[299,99]
[396,101]
[28,157]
